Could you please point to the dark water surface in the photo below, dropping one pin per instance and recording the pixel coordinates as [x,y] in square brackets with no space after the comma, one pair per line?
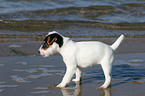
[73,17]
[104,11]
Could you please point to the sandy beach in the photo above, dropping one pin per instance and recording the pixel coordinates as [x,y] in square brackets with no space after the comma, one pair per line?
[24,73]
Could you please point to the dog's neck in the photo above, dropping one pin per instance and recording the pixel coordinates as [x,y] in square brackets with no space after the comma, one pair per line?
[67,42]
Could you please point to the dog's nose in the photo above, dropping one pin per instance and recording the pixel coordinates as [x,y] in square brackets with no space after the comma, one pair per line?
[38,51]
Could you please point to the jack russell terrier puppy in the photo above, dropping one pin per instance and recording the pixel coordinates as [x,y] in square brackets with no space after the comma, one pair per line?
[77,55]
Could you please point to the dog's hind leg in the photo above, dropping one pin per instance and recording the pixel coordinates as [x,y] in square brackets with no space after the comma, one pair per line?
[78,75]
[107,74]
[107,69]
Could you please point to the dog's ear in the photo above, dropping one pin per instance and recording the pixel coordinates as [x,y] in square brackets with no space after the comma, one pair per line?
[59,40]
[51,39]
[56,38]
[48,39]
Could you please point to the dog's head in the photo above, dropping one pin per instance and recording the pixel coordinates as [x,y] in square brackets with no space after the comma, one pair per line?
[51,43]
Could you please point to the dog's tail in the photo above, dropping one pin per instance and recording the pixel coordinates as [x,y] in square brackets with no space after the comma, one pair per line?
[116,44]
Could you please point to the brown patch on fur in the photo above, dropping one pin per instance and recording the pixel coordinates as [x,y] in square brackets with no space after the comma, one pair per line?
[48,39]
[50,46]
[43,42]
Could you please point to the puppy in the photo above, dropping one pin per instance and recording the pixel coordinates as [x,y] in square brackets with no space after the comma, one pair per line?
[77,55]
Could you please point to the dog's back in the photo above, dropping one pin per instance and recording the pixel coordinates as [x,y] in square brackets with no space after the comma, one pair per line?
[92,52]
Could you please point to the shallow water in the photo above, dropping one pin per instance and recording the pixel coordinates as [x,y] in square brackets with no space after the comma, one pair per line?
[40,76]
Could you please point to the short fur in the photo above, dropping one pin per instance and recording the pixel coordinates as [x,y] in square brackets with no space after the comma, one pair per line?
[77,55]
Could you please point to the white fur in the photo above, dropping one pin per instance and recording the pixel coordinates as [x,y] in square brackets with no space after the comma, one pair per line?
[50,51]
[77,55]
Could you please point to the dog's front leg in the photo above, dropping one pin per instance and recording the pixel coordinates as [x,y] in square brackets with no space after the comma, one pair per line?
[78,74]
[67,77]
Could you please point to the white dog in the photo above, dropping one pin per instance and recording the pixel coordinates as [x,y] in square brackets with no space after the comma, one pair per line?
[77,55]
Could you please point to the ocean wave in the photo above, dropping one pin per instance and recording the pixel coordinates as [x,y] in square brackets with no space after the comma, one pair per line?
[102,11]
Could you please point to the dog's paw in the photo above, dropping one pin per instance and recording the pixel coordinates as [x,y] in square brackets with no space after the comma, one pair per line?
[104,87]
[101,88]
[76,80]
[60,86]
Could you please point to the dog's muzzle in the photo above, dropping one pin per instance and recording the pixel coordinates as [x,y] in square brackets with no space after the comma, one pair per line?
[43,52]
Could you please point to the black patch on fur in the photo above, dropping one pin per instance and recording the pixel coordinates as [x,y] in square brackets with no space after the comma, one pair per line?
[59,40]
[45,44]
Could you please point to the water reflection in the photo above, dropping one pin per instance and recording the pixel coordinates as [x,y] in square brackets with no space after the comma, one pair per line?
[124,73]
[106,92]
[77,91]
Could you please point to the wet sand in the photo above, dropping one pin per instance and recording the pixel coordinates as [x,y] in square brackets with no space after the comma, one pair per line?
[29,45]
[24,73]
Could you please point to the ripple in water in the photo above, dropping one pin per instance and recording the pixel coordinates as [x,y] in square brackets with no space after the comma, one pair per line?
[1,65]
[1,90]
[15,46]
[51,71]
[22,63]
[19,79]
[46,66]
[2,82]
[136,61]
[39,76]
[27,70]
[41,88]
[8,86]
[41,92]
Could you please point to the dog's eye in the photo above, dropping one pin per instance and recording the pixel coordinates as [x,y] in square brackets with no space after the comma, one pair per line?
[45,45]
